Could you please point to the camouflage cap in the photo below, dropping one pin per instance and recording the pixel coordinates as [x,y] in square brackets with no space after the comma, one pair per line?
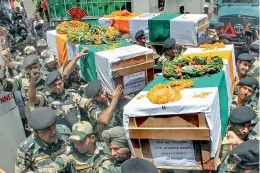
[29,50]
[80,130]
[41,42]
[47,56]
[31,40]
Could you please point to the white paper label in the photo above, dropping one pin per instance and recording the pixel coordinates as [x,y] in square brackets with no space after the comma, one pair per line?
[172,153]
[7,102]
[134,82]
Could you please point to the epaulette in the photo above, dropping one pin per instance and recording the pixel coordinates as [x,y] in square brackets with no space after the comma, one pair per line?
[27,143]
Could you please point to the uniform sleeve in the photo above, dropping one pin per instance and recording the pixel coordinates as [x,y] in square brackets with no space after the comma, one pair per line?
[59,165]
[22,161]
[94,112]
[18,66]
[81,102]
[12,84]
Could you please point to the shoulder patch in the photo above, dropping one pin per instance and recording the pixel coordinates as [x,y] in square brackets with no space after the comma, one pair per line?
[27,143]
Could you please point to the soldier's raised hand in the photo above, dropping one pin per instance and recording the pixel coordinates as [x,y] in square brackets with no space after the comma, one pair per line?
[232,139]
[117,93]
[34,74]
[83,52]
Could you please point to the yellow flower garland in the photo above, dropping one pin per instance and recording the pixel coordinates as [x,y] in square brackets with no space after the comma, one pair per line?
[164,93]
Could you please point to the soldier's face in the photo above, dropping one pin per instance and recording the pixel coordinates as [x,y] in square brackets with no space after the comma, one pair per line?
[86,145]
[102,96]
[245,92]
[48,135]
[119,154]
[141,40]
[171,52]
[219,31]
[243,67]
[242,130]
[74,76]
[57,87]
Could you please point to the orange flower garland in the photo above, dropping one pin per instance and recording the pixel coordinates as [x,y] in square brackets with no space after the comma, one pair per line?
[164,93]
[212,46]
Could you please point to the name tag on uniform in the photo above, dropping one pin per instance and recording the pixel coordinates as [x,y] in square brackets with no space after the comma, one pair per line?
[83,167]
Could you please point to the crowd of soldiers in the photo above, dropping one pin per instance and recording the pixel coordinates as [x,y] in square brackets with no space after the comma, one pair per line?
[77,126]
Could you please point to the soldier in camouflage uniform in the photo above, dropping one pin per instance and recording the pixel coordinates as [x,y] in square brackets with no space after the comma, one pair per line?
[21,82]
[238,132]
[66,103]
[169,51]
[246,157]
[49,62]
[115,138]
[47,142]
[216,32]
[71,74]
[105,111]
[244,63]
[41,46]
[84,156]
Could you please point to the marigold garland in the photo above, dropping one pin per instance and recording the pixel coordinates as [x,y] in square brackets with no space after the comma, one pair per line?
[166,93]
[71,26]
[212,46]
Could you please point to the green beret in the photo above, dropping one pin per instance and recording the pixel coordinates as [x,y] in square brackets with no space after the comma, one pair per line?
[42,118]
[52,77]
[219,25]
[115,135]
[247,154]
[242,115]
[254,48]
[139,34]
[30,60]
[93,88]
[250,82]
[245,57]
[137,165]
[169,43]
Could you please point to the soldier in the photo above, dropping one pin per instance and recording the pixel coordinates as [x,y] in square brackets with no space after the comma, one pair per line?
[30,50]
[169,51]
[49,62]
[224,39]
[71,74]
[247,88]
[66,103]
[141,40]
[238,132]
[85,154]
[31,41]
[137,165]
[105,111]
[115,138]
[23,81]
[216,32]
[246,157]
[44,145]
[244,63]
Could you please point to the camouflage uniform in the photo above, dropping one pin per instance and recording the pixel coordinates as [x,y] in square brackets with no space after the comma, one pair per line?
[46,57]
[97,108]
[67,106]
[106,165]
[33,153]
[253,105]
[18,57]
[76,86]
[21,83]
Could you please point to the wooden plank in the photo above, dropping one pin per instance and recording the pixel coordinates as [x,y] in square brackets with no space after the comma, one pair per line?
[203,27]
[170,133]
[207,163]
[132,61]
[132,122]
[137,148]
[150,75]
[202,120]
[187,120]
[132,69]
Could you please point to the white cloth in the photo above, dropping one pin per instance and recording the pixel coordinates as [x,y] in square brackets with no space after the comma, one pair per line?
[105,59]
[183,28]
[104,22]
[209,105]
[141,23]
[51,41]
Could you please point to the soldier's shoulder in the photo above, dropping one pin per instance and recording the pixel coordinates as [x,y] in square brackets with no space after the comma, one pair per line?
[27,144]
[102,146]
[62,129]
[104,164]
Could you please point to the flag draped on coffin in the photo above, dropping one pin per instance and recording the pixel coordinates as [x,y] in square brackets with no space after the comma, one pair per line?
[141,23]
[216,80]
[184,28]
[87,63]
[159,27]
